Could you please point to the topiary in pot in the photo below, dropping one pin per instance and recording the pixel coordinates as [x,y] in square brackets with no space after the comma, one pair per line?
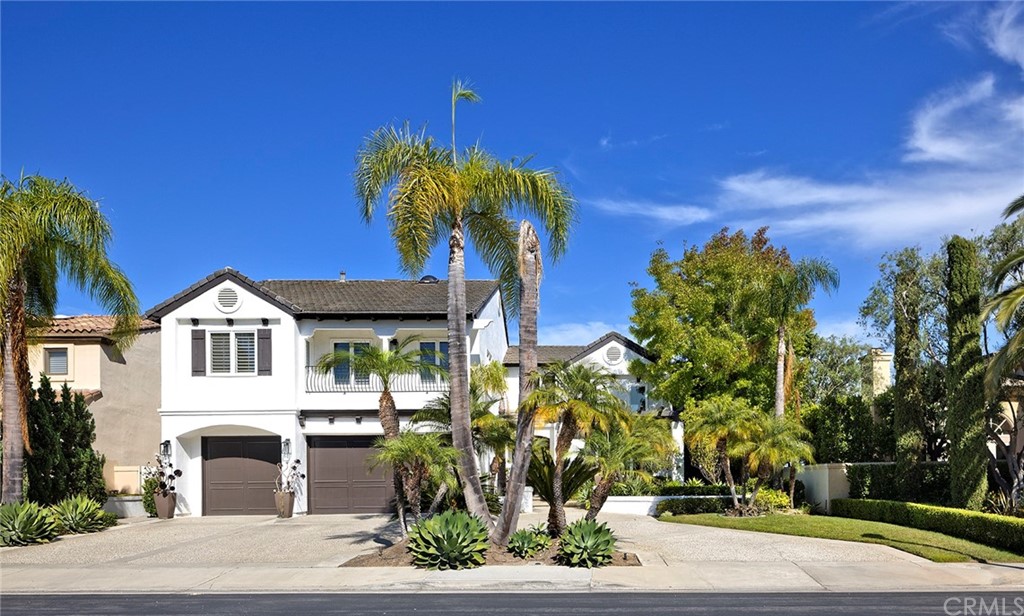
[79,514]
[585,543]
[25,523]
[527,542]
[451,540]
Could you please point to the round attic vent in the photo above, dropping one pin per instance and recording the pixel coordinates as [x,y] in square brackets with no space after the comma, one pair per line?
[228,300]
[613,355]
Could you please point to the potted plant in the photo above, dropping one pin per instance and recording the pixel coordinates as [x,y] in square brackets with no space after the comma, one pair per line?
[164,496]
[289,479]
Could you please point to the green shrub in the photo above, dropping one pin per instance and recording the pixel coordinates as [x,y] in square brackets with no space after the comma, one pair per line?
[699,489]
[25,523]
[79,514]
[585,543]
[149,487]
[527,542]
[989,529]
[635,486]
[769,499]
[878,481]
[540,475]
[451,540]
[690,506]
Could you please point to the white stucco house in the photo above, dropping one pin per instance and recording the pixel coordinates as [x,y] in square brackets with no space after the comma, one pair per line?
[238,391]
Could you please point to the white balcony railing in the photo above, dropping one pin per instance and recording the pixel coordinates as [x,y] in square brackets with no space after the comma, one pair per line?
[318,382]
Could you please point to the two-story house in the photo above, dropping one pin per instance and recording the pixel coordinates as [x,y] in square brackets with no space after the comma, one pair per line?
[240,394]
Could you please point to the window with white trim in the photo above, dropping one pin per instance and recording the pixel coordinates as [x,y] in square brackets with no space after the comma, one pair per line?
[56,361]
[344,373]
[233,352]
[433,353]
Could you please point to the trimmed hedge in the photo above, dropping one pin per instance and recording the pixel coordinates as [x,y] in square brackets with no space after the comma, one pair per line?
[878,481]
[692,490]
[989,529]
[690,506]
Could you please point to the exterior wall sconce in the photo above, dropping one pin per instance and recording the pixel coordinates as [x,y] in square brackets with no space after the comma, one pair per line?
[286,449]
[302,420]
[195,322]
[165,452]
[359,419]
[330,419]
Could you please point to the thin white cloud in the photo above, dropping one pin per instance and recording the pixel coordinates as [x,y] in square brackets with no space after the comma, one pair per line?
[578,333]
[668,214]
[1003,32]
[717,126]
[839,327]
[607,144]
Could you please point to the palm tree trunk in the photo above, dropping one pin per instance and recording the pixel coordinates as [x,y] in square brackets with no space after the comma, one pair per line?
[599,496]
[727,471]
[438,498]
[529,299]
[413,481]
[556,515]
[792,485]
[388,415]
[16,382]
[458,378]
[780,374]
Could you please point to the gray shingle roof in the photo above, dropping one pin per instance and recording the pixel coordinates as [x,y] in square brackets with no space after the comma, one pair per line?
[545,353]
[385,297]
[378,298]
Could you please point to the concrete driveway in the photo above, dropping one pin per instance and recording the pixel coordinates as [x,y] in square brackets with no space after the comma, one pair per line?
[303,541]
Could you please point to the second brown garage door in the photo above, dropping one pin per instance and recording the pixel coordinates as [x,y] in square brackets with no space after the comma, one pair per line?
[239,474]
[340,479]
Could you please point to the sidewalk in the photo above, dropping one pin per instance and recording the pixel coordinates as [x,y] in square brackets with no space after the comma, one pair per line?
[704,576]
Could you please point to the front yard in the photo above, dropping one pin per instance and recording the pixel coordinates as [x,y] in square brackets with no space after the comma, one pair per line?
[933,546]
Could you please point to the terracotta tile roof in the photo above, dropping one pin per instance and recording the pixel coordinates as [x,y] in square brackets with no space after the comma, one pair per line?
[395,297]
[89,325]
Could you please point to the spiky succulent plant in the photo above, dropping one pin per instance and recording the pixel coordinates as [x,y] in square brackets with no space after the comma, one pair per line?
[25,523]
[451,540]
[585,543]
[527,542]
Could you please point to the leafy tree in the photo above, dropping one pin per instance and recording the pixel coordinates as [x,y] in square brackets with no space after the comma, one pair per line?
[434,197]
[908,401]
[48,228]
[696,321]
[785,293]
[965,376]
[631,449]
[579,398]
[722,422]
[842,430]
[420,456]
[835,368]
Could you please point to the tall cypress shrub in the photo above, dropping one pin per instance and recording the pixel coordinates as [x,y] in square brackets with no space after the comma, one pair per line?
[46,468]
[965,376]
[79,433]
[907,399]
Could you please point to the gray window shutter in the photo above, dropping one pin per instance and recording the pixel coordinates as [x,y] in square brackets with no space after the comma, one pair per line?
[264,354]
[198,352]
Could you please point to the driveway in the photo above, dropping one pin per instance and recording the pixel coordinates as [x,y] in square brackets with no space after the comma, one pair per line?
[303,541]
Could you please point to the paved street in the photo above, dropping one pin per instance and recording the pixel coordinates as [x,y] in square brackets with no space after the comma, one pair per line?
[948,604]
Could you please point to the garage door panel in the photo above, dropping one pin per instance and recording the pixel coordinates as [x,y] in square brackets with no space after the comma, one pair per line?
[341,480]
[239,475]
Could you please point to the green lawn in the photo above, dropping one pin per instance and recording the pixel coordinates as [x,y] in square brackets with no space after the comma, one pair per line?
[933,546]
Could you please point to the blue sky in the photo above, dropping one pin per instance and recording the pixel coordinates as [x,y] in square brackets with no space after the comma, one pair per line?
[219,134]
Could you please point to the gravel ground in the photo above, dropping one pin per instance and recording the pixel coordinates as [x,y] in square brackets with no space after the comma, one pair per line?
[312,541]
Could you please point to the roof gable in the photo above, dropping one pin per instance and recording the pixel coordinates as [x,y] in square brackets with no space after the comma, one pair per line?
[547,354]
[211,281]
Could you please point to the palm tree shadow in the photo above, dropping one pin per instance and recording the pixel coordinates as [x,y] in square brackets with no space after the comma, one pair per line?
[384,536]
[935,547]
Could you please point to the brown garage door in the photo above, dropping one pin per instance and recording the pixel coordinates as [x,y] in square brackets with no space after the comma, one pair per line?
[239,474]
[340,478]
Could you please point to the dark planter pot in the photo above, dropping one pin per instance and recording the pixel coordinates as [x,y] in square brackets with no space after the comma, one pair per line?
[165,505]
[285,503]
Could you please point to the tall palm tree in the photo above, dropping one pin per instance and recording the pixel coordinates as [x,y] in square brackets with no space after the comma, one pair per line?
[491,432]
[386,365]
[530,269]
[722,422]
[48,229]
[784,295]
[420,456]
[774,442]
[631,449]
[1007,300]
[579,398]
[433,196]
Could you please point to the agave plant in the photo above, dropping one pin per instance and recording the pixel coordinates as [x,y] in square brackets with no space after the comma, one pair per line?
[586,543]
[527,542]
[25,523]
[79,514]
[451,540]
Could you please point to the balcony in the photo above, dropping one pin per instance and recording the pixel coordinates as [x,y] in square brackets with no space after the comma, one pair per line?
[317,382]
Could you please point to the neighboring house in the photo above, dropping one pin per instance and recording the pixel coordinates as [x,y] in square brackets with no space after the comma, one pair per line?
[240,393]
[121,388]
[613,352]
